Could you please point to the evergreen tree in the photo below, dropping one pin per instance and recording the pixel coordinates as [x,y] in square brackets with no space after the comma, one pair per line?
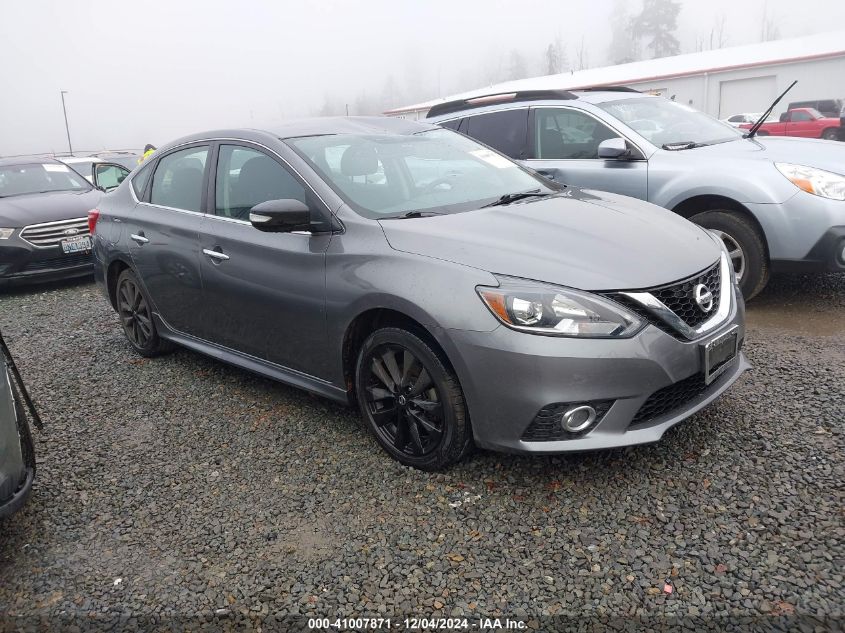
[656,23]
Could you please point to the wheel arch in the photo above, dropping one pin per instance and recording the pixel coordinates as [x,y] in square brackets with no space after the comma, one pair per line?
[113,271]
[367,322]
[713,202]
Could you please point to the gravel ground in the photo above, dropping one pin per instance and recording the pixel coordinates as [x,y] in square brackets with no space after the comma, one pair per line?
[174,488]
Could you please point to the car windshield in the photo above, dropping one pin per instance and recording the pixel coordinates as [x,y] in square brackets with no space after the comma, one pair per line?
[665,122]
[29,178]
[437,171]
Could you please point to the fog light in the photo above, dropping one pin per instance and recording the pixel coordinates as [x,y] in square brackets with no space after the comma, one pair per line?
[576,419]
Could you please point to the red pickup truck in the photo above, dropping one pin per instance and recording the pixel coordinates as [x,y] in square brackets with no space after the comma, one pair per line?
[806,122]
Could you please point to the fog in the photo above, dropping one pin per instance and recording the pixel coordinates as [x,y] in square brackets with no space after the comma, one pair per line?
[155,70]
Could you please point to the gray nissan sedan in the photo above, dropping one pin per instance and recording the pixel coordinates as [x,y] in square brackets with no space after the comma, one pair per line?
[448,292]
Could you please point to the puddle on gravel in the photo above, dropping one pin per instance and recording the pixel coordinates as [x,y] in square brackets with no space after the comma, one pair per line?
[796,318]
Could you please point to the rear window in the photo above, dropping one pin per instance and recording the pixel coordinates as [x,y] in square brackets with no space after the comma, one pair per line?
[506,131]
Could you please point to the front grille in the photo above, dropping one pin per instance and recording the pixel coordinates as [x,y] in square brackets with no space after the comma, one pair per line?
[547,425]
[52,233]
[57,263]
[679,297]
[671,398]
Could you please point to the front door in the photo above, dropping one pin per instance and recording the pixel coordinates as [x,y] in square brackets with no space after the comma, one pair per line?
[163,234]
[565,145]
[264,292]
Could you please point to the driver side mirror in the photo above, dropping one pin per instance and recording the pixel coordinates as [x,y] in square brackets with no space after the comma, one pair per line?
[615,148]
[281,216]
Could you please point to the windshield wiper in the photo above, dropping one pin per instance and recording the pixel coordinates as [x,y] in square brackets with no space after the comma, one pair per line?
[413,214]
[766,114]
[674,147]
[508,198]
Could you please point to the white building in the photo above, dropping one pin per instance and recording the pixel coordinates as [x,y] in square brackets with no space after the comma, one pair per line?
[720,82]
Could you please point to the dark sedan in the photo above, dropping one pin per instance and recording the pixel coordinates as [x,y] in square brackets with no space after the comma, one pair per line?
[44,232]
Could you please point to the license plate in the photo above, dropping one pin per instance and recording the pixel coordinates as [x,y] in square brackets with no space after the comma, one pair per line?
[719,353]
[76,244]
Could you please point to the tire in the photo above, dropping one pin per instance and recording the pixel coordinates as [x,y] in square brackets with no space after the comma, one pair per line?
[135,311]
[831,134]
[413,405]
[738,231]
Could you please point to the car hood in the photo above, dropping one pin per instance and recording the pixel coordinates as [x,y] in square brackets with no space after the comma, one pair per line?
[582,239]
[812,152]
[20,211]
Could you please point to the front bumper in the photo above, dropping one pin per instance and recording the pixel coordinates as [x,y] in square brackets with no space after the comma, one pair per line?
[20,262]
[827,255]
[509,377]
[802,233]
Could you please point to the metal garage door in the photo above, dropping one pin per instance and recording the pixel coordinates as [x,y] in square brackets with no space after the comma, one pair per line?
[754,94]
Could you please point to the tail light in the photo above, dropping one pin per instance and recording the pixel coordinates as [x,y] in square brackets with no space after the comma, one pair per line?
[93,216]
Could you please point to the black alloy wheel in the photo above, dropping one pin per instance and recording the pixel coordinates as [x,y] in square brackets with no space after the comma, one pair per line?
[136,316]
[411,400]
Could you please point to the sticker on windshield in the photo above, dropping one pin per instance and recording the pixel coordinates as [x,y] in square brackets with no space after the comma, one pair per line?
[54,167]
[492,158]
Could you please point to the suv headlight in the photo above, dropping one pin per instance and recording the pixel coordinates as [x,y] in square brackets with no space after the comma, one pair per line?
[818,182]
[5,234]
[545,309]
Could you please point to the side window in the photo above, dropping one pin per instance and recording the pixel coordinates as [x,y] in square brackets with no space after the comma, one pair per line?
[506,131]
[737,118]
[452,125]
[562,133]
[140,180]
[801,116]
[177,181]
[247,177]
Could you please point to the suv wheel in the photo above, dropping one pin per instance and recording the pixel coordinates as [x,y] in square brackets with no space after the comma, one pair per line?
[745,246]
[411,400]
[136,317]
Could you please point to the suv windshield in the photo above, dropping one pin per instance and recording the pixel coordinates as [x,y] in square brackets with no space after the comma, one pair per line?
[438,170]
[665,122]
[19,180]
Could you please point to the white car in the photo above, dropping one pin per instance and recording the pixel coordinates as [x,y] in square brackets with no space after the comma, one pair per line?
[100,173]
[739,119]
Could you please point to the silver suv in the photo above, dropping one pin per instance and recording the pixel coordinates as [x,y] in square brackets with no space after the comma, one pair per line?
[777,203]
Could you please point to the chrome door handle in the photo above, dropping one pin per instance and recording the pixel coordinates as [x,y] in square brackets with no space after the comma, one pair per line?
[215,254]
[139,238]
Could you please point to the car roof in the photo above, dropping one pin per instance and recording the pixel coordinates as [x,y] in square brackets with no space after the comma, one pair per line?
[321,126]
[457,109]
[26,160]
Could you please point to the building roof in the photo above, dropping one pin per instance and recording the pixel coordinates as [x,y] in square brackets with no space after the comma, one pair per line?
[820,46]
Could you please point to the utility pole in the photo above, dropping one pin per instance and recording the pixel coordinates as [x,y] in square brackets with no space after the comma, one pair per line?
[67,129]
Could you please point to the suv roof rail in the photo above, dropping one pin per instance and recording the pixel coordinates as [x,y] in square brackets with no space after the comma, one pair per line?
[606,89]
[500,97]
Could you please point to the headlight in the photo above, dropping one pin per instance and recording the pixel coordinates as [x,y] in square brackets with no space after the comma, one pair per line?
[815,181]
[546,309]
[5,234]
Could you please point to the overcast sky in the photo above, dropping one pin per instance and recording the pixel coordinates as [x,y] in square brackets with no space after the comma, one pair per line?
[150,71]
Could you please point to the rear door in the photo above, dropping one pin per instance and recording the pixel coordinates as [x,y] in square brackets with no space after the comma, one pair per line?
[163,236]
[264,292]
[564,146]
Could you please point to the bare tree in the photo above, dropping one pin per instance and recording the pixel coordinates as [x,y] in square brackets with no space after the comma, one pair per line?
[516,67]
[769,29]
[554,59]
[716,38]
[582,56]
